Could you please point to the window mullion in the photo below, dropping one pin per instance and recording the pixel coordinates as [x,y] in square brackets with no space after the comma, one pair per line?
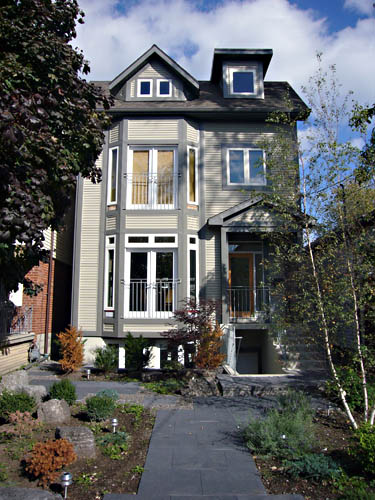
[246,159]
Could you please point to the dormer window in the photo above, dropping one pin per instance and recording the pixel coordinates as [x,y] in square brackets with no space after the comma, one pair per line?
[164,88]
[144,88]
[241,81]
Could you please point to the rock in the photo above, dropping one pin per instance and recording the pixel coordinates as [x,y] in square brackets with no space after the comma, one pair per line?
[15,382]
[202,384]
[37,391]
[54,411]
[27,493]
[81,438]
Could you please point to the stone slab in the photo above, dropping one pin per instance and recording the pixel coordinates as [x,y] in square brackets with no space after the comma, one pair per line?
[27,493]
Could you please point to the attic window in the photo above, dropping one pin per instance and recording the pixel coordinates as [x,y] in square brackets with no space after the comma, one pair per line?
[164,88]
[241,81]
[144,88]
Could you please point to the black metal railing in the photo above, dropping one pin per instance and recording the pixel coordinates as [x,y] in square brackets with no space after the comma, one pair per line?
[247,302]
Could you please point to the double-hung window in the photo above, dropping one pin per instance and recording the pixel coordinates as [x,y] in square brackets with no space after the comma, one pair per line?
[152,179]
[150,276]
[246,166]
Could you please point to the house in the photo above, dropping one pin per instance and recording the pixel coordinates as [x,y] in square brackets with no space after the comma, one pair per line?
[179,211]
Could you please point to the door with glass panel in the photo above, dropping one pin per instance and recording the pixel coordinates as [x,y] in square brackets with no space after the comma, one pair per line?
[150,284]
[151,178]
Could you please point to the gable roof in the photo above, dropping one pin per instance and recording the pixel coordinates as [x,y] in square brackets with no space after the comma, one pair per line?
[233,212]
[151,53]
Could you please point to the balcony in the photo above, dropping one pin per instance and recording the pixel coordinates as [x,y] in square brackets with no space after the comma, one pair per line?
[15,320]
[145,300]
[152,191]
[247,303]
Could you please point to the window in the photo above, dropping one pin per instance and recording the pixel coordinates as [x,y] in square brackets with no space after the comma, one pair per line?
[164,88]
[246,167]
[150,281]
[112,176]
[144,88]
[192,285]
[192,176]
[241,82]
[109,292]
[152,179]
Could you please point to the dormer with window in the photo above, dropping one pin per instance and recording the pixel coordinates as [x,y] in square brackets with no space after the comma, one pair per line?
[240,72]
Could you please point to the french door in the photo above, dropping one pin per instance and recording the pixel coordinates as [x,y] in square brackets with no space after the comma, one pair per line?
[241,284]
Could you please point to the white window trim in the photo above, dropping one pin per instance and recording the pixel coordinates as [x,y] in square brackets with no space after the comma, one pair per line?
[158,87]
[193,246]
[153,159]
[151,241]
[109,246]
[151,278]
[141,80]
[242,69]
[248,181]
[196,176]
[110,167]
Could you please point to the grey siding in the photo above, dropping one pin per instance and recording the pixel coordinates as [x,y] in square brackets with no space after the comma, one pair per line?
[192,132]
[151,221]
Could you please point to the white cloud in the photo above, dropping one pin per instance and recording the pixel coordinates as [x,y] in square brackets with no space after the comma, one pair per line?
[361,6]
[111,39]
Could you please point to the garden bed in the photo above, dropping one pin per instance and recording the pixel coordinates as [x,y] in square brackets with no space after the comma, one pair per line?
[92,477]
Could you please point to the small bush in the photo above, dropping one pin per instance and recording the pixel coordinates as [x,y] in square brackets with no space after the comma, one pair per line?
[71,348]
[354,488]
[106,358]
[137,352]
[114,445]
[133,409]
[209,355]
[352,384]
[20,424]
[172,365]
[363,449]
[48,458]
[312,466]
[100,407]
[13,402]
[110,393]
[295,401]
[3,472]
[64,389]
[169,386]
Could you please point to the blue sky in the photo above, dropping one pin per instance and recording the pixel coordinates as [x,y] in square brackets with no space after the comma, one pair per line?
[116,32]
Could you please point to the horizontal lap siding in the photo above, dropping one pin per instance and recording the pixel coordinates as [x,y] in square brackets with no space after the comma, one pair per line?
[212,281]
[154,70]
[89,264]
[217,200]
[151,222]
[12,357]
[192,223]
[156,130]
[192,132]
[114,134]
[110,224]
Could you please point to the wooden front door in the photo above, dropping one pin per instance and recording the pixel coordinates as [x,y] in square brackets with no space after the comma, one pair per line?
[241,284]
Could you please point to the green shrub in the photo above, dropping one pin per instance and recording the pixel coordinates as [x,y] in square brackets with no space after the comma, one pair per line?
[312,466]
[64,389]
[172,365]
[100,407]
[133,409]
[351,382]
[295,401]
[3,472]
[280,435]
[13,402]
[137,352]
[363,449]
[110,393]
[169,386]
[114,445]
[354,488]
[106,358]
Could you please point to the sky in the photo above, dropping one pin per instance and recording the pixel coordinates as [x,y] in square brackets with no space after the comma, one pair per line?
[116,32]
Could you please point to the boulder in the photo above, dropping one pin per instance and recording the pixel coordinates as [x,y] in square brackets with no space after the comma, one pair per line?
[27,493]
[37,391]
[54,411]
[14,382]
[202,384]
[82,438]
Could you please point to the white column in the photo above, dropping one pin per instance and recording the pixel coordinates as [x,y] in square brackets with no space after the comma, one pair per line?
[121,357]
[155,357]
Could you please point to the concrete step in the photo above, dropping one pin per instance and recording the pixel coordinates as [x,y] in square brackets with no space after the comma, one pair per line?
[120,496]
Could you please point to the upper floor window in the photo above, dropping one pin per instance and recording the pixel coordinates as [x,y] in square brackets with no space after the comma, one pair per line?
[144,88]
[241,81]
[112,176]
[246,166]
[192,176]
[164,88]
[152,178]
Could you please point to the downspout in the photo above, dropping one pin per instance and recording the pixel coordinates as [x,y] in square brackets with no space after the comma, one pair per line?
[49,298]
